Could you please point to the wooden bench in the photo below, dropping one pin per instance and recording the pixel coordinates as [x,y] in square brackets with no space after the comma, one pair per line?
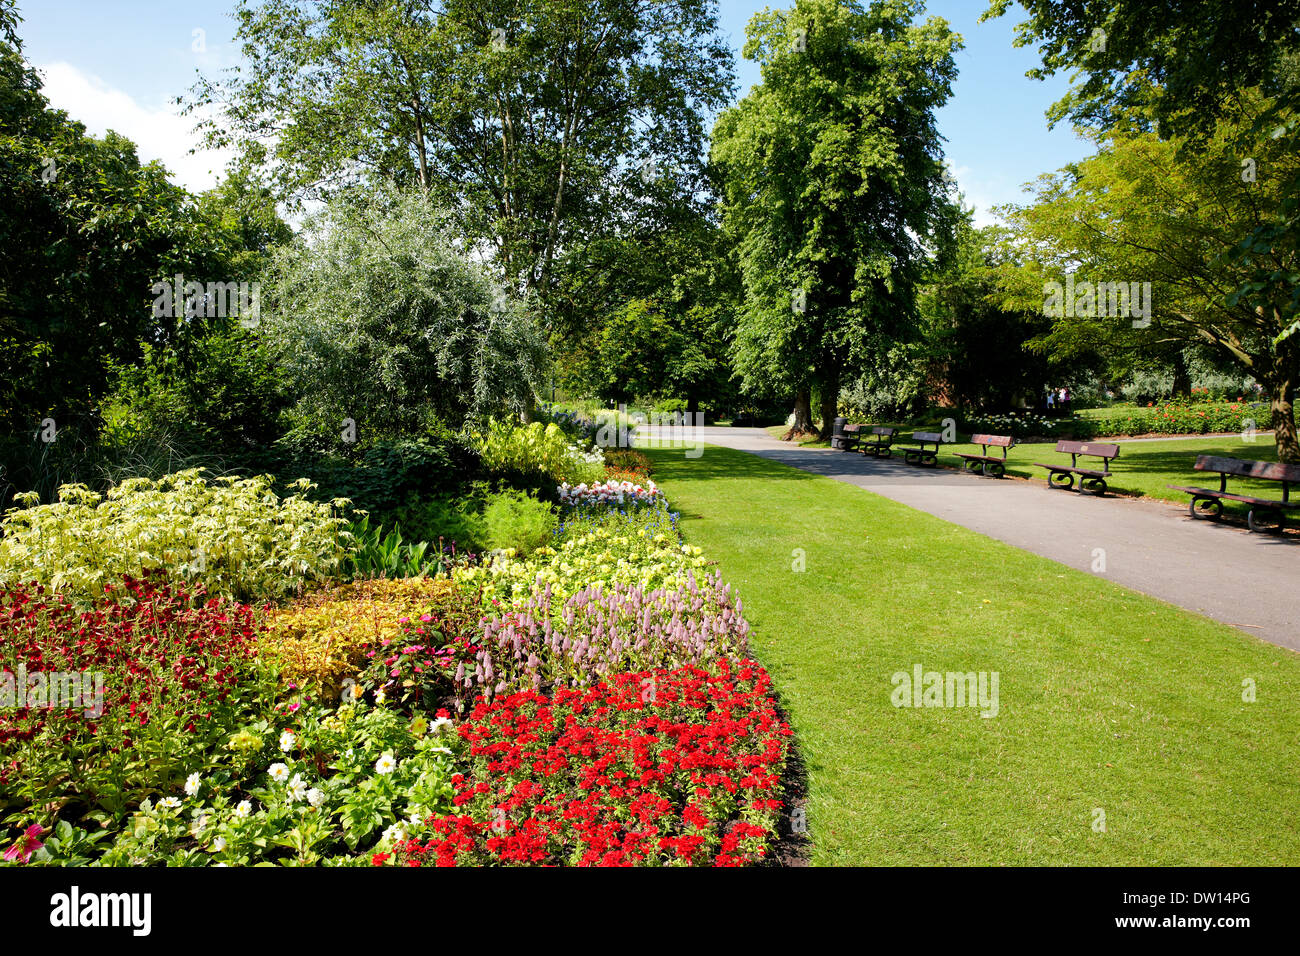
[882,441]
[1207,503]
[920,454]
[847,439]
[988,465]
[1090,479]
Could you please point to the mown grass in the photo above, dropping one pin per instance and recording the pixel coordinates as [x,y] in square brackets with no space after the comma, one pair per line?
[1108,700]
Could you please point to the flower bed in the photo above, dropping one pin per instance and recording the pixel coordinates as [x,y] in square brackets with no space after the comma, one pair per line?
[648,767]
[322,639]
[624,493]
[176,679]
[598,547]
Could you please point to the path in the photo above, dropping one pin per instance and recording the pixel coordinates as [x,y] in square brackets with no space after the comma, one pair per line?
[1250,581]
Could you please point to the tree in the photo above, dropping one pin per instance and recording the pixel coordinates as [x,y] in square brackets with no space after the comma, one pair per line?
[85,231]
[1142,210]
[531,122]
[974,350]
[833,183]
[1180,69]
[377,316]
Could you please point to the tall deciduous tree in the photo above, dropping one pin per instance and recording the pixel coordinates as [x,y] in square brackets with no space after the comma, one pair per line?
[1182,67]
[834,181]
[531,120]
[1144,210]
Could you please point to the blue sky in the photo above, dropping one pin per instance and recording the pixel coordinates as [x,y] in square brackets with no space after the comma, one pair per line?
[118,64]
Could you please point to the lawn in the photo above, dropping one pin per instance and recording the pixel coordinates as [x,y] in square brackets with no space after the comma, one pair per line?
[1108,700]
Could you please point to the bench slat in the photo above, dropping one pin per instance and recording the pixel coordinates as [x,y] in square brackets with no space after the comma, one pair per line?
[1245,468]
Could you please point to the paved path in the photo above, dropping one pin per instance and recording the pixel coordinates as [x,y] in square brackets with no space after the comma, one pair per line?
[1251,581]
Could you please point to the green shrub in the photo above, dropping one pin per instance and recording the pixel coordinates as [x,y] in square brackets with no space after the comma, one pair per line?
[453,521]
[234,536]
[514,521]
[537,455]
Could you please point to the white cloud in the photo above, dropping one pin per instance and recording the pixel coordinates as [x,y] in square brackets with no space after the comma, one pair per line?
[983,193]
[161,133]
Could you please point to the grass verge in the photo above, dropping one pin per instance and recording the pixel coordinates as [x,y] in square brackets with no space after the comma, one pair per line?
[1108,700]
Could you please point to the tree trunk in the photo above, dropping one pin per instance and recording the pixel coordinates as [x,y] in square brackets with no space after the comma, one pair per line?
[1284,427]
[803,424]
[1182,377]
[830,398]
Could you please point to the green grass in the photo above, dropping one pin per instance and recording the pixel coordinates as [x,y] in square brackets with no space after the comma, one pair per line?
[1147,467]
[1108,699]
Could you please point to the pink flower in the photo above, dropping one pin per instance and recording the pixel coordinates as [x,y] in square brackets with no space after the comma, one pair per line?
[27,844]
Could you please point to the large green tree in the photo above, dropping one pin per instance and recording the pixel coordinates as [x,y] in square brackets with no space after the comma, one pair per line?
[532,121]
[85,231]
[834,183]
[378,315]
[1144,210]
[1181,69]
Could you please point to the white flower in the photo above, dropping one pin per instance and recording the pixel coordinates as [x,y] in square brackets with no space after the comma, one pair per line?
[219,844]
[279,772]
[385,764]
[297,788]
[200,824]
[243,810]
[169,803]
[192,784]
[441,725]
[288,741]
[394,834]
[315,796]
[379,696]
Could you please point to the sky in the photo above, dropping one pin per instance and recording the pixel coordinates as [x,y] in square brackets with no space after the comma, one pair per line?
[120,64]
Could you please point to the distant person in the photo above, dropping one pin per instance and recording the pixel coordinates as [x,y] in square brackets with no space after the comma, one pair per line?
[1051,400]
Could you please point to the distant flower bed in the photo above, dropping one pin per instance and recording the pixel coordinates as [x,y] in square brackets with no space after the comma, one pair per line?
[651,767]
[611,493]
[1186,418]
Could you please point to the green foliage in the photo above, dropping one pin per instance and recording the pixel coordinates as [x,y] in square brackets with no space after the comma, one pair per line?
[534,135]
[225,401]
[516,522]
[234,536]
[833,183]
[383,474]
[538,455]
[386,555]
[1142,209]
[380,319]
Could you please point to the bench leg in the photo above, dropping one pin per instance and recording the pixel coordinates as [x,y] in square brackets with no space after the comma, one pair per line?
[972,466]
[1211,508]
[1095,486]
[1270,519]
[994,469]
[1061,479]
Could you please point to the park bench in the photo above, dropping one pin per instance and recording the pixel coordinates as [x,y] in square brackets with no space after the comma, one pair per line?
[986,464]
[882,439]
[920,454]
[848,438]
[1207,503]
[1090,479]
